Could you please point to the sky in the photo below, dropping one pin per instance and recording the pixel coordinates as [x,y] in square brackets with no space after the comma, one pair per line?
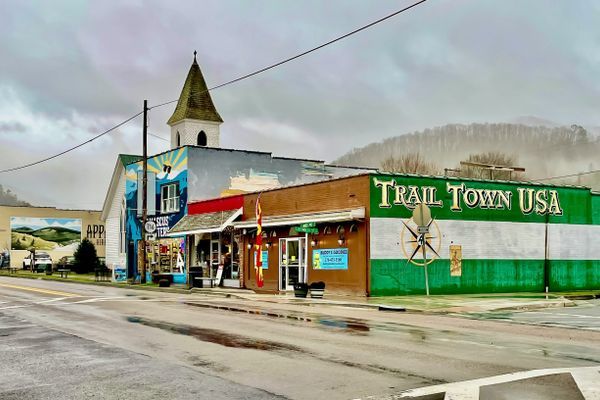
[71,69]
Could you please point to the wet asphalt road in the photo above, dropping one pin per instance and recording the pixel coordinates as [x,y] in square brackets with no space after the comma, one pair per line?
[62,340]
[41,363]
[586,316]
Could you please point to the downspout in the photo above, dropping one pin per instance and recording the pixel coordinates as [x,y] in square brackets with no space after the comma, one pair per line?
[546,257]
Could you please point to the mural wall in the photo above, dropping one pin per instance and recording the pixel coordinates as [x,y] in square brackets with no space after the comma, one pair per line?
[483,236]
[170,169]
[55,231]
[220,172]
[45,233]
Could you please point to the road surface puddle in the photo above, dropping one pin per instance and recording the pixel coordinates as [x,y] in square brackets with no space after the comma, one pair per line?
[346,325]
[216,336]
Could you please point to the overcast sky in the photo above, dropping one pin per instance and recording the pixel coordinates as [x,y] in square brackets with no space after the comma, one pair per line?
[71,69]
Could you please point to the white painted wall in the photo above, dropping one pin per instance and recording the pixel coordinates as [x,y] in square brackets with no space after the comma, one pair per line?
[494,240]
[188,130]
[113,254]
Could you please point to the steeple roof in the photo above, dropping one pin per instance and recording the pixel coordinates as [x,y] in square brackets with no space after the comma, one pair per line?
[195,101]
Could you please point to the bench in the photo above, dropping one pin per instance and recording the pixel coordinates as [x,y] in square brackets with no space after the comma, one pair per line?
[102,274]
[212,281]
[64,272]
[12,270]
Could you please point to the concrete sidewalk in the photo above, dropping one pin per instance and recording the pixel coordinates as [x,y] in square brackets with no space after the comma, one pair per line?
[451,304]
[436,304]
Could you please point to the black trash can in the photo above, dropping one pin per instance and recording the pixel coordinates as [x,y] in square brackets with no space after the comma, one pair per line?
[195,272]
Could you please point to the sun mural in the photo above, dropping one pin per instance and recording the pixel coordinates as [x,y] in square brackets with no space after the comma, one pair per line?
[166,166]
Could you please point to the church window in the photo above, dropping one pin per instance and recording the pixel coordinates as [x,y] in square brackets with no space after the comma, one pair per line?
[122,225]
[169,200]
[202,139]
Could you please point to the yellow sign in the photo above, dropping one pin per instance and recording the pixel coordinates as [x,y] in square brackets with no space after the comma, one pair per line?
[455,260]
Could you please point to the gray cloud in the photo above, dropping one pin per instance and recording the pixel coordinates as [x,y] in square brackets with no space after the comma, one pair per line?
[75,68]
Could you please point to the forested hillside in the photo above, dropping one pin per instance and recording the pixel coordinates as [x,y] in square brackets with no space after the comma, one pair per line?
[8,198]
[543,151]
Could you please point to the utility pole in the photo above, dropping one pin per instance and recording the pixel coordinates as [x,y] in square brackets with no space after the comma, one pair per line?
[144,192]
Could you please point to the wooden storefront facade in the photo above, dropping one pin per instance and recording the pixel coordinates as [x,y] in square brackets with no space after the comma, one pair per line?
[333,202]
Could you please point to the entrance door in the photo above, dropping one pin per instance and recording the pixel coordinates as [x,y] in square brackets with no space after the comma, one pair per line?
[215,257]
[292,262]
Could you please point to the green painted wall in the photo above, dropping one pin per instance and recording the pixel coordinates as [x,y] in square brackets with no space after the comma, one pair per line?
[397,277]
[574,275]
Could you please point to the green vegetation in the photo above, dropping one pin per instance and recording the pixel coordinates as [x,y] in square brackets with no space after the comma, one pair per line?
[86,258]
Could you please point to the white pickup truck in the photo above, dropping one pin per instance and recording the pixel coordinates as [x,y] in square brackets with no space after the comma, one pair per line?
[41,262]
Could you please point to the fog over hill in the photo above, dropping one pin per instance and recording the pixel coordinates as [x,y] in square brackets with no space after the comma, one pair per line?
[544,151]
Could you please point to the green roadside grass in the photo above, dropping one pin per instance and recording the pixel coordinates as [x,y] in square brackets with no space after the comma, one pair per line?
[88,279]
[54,277]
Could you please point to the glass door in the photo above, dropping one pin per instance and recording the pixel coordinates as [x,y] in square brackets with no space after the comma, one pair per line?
[215,257]
[292,263]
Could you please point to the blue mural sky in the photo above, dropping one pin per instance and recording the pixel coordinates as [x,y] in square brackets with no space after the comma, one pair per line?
[72,69]
[39,223]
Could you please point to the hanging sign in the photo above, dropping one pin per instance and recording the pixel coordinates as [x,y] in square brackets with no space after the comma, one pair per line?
[307,227]
[265,259]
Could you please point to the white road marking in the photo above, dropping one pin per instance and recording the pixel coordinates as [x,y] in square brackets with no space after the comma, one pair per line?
[586,378]
[564,315]
[588,382]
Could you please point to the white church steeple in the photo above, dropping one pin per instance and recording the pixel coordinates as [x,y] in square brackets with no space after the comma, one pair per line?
[195,120]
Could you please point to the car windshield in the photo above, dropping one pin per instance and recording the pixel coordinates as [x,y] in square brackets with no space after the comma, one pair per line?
[41,254]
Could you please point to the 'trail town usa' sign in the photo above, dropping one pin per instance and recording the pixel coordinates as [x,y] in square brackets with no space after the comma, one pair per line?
[541,201]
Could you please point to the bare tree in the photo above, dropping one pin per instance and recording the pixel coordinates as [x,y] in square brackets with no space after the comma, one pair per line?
[412,163]
[490,165]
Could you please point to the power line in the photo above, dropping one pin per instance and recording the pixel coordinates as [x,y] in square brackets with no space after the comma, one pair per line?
[72,148]
[259,71]
[277,64]
[159,137]
[569,175]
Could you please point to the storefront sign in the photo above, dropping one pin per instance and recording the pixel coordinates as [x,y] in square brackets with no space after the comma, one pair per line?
[120,273]
[162,225]
[307,227]
[462,196]
[95,234]
[330,258]
[265,259]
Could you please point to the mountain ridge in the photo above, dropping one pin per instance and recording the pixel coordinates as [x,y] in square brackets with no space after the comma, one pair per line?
[544,151]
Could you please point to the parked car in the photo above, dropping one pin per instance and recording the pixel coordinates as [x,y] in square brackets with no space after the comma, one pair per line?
[42,261]
[5,259]
[66,262]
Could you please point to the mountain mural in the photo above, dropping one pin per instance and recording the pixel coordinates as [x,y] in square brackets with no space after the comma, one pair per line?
[45,233]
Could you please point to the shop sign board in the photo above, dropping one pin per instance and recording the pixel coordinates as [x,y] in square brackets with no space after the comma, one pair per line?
[330,258]
[265,259]
[150,226]
[120,273]
[397,197]
[161,225]
[307,227]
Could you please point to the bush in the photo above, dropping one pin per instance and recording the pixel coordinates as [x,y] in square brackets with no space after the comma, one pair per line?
[317,285]
[86,258]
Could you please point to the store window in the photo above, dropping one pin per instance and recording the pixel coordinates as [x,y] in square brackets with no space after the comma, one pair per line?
[122,225]
[169,198]
[166,255]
